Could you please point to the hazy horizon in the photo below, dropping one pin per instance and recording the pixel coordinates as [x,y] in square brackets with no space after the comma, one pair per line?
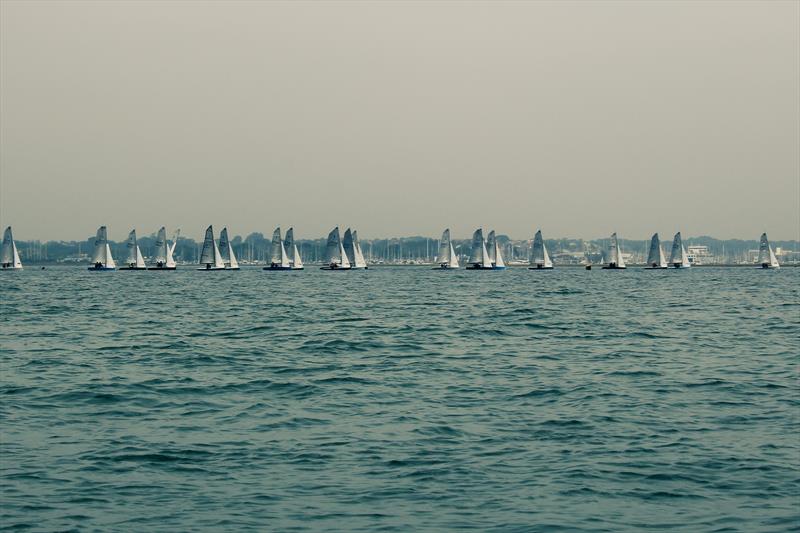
[401,119]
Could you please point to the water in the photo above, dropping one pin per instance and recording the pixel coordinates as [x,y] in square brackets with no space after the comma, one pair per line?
[400,399]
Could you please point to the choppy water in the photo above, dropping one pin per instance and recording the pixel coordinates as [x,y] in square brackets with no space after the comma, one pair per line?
[400,399]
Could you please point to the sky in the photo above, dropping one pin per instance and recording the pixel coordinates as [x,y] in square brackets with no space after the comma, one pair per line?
[401,118]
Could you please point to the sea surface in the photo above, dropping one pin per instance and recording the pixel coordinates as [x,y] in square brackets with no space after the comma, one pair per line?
[400,399]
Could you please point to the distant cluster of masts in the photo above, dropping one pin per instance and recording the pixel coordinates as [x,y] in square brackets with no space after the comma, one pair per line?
[344,253]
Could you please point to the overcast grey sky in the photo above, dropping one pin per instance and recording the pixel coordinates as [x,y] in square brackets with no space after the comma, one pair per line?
[401,118]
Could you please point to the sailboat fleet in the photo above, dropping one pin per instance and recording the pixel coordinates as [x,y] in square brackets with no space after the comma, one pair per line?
[284,254]
[485,253]
[345,253]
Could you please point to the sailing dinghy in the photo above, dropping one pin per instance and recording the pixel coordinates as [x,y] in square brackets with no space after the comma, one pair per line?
[226,250]
[479,257]
[163,252]
[540,259]
[135,261]
[210,257]
[335,254]
[101,259]
[655,258]
[766,257]
[279,259]
[678,257]
[448,260]
[615,260]
[353,250]
[10,256]
[291,248]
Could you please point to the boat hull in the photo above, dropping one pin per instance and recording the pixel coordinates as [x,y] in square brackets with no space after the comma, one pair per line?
[11,268]
[100,269]
[478,267]
[133,268]
[278,268]
[540,267]
[213,269]
[609,267]
[444,267]
[162,268]
[655,268]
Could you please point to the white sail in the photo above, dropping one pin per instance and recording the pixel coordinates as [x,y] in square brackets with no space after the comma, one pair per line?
[491,246]
[349,248]
[174,244]
[10,256]
[498,256]
[540,257]
[477,254]
[333,248]
[655,257]
[102,251]
[298,261]
[359,261]
[109,260]
[161,248]
[345,261]
[171,249]
[139,258]
[678,257]
[453,257]
[226,250]
[766,257]
[485,261]
[615,253]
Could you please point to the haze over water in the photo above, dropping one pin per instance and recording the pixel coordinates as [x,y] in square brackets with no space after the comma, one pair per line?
[400,399]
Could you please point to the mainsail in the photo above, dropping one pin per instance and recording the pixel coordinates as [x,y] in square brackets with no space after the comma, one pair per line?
[615,253]
[10,256]
[766,257]
[278,252]
[102,251]
[655,258]
[540,257]
[210,255]
[161,248]
[678,257]
[491,247]
[226,250]
[135,259]
[349,248]
[359,262]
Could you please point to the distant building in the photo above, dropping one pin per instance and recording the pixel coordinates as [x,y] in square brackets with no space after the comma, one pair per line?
[698,255]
